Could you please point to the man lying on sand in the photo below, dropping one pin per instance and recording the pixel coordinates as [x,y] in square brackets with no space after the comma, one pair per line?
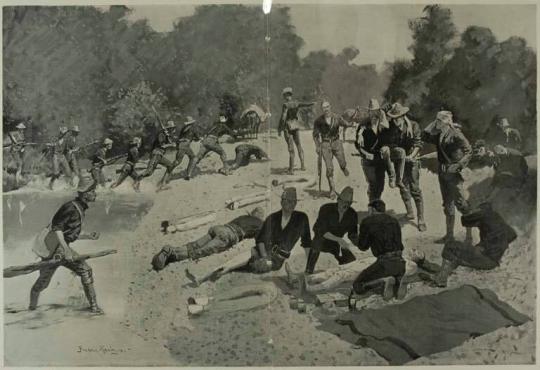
[278,235]
[218,239]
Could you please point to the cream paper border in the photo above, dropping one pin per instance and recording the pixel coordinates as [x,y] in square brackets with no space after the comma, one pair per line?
[255,2]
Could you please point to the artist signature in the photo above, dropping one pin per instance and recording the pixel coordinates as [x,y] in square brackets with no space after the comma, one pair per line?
[102,349]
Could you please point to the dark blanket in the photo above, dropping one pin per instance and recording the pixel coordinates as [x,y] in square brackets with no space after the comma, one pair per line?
[426,324]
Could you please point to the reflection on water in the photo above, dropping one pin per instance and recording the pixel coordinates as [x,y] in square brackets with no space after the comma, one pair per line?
[24,215]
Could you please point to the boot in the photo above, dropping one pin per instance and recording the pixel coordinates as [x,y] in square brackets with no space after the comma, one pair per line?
[450,221]
[332,192]
[167,255]
[312,259]
[190,167]
[420,211]
[91,296]
[302,163]
[410,210]
[440,279]
[34,297]
[291,165]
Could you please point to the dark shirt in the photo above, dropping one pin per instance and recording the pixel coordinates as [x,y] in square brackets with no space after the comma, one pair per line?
[247,226]
[187,133]
[60,144]
[406,138]
[495,233]
[452,146]
[245,151]
[511,164]
[328,221]
[510,139]
[272,234]
[161,140]
[325,131]
[98,159]
[381,233]
[133,155]
[372,142]
[68,220]
[71,145]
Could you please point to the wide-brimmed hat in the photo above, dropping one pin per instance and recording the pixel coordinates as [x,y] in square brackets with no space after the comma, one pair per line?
[346,194]
[169,124]
[86,184]
[287,90]
[75,128]
[63,129]
[107,141]
[21,126]
[444,115]
[189,120]
[504,123]
[136,140]
[374,104]
[289,194]
[397,110]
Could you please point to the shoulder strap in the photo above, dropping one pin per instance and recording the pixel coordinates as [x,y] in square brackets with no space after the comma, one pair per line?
[442,149]
[79,209]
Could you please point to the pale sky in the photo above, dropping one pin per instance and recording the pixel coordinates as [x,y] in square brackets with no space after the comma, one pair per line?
[380,32]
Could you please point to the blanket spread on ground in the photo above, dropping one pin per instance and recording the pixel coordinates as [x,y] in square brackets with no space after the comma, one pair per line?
[426,324]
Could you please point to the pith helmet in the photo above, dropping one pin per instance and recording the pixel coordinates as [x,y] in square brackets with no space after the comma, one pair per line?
[107,141]
[21,126]
[63,129]
[75,128]
[287,90]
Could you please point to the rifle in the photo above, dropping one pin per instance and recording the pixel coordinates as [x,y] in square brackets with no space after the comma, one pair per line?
[319,168]
[27,269]
[111,160]
[21,144]
[169,139]
[71,151]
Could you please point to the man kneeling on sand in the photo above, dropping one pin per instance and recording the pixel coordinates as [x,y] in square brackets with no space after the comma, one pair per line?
[218,239]
[278,235]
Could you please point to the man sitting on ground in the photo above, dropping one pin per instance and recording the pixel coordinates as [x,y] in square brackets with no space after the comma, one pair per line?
[218,239]
[495,237]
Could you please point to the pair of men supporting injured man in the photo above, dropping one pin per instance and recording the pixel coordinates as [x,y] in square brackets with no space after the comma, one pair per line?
[380,232]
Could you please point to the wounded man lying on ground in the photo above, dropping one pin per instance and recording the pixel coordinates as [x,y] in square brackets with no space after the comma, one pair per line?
[495,237]
[244,152]
[218,239]
[278,236]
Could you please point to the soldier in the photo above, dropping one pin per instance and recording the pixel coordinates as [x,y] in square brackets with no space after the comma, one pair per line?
[162,142]
[99,161]
[495,237]
[381,233]
[218,239]
[59,161]
[453,154]
[334,221]
[328,145]
[128,169]
[71,153]
[369,136]
[406,135]
[290,126]
[210,144]
[65,229]
[186,135]
[17,149]
[243,154]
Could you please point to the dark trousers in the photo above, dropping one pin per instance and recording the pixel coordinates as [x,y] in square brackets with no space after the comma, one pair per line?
[452,192]
[156,159]
[383,267]
[80,268]
[374,171]
[127,170]
[292,138]
[468,256]
[211,145]
[183,148]
[74,164]
[320,244]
